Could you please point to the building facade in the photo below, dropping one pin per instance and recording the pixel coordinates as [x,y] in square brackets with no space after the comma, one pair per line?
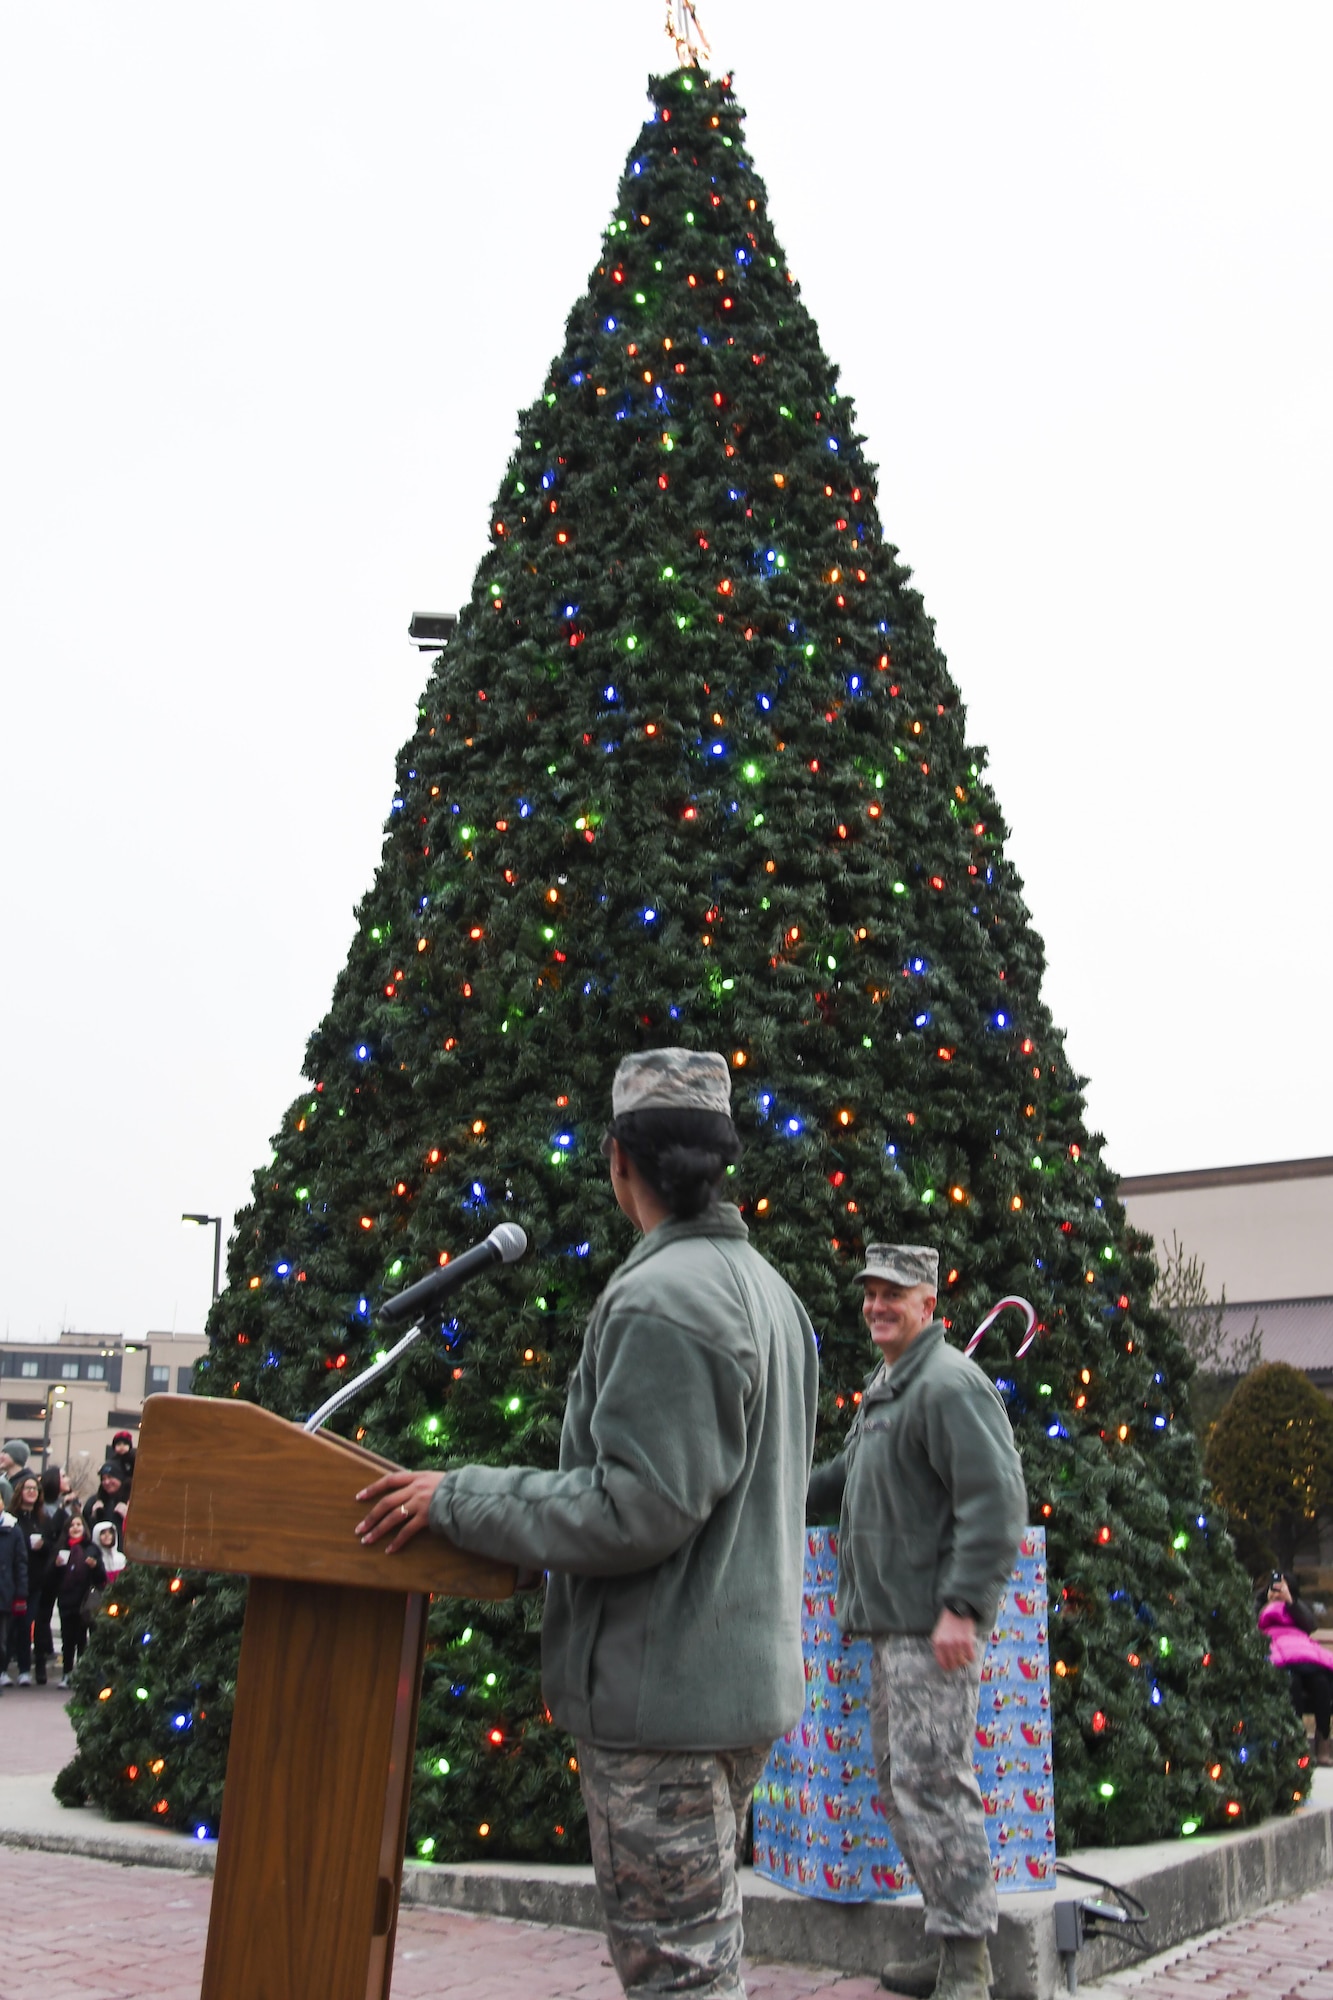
[72,1394]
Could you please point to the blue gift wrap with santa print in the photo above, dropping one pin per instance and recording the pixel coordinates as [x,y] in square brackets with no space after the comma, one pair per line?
[819,1824]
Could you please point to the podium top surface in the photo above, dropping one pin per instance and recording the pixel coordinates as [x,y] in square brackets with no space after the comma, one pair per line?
[227,1486]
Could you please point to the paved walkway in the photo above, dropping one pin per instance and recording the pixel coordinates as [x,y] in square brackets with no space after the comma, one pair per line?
[1287,1954]
[110,1932]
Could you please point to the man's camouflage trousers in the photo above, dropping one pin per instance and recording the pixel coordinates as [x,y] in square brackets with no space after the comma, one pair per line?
[923,1723]
[667,1828]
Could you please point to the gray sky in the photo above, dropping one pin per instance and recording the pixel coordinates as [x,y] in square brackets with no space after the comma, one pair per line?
[274,282]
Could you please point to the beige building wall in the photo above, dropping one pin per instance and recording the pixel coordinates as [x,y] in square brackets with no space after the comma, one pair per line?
[1263,1232]
[103,1382]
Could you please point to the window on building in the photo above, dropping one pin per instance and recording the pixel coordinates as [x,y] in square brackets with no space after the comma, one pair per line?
[96,1371]
[184,1381]
[28,1368]
[159,1378]
[69,1371]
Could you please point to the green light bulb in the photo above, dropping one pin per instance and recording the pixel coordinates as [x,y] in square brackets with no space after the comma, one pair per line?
[1107,1791]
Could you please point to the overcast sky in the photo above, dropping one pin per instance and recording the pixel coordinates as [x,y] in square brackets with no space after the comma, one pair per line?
[274,282]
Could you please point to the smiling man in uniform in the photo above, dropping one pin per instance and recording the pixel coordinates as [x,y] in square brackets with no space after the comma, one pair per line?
[931,1504]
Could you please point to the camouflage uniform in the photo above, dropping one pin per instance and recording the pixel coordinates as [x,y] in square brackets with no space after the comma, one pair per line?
[922,1722]
[667,1828]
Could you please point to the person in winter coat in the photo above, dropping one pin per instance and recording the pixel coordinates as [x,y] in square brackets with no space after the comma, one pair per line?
[13,1577]
[1287,1623]
[672,1531]
[81,1570]
[111,1500]
[14,1455]
[52,1521]
[929,1496]
[122,1454]
[104,1541]
[18,1645]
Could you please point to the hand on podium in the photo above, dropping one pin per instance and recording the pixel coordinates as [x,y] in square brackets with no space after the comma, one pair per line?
[401,1508]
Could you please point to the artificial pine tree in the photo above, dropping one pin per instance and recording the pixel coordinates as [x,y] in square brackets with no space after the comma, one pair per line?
[693,770]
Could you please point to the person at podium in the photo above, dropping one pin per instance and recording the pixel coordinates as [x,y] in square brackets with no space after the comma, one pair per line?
[672,1532]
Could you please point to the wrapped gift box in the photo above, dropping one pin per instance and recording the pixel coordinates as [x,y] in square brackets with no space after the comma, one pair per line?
[819,1826]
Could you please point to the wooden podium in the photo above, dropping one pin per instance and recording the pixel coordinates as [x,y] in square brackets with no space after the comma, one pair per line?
[310,1850]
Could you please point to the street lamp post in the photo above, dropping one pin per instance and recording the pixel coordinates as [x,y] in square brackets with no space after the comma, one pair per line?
[216,1221]
[54,1400]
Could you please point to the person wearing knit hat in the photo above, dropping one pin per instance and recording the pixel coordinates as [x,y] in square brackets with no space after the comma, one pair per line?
[672,1533]
[14,1455]
[122,1452]
[930,1503]
[111,1500]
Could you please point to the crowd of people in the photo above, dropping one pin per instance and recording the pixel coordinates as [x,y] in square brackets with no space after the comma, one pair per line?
[57,1558]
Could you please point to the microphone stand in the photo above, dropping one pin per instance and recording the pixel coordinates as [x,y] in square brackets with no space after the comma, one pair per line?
[368,1375]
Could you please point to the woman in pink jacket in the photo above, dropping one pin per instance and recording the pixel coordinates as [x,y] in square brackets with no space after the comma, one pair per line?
[1286,1623]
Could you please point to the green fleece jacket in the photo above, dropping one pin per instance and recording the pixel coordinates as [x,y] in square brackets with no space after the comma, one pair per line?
[929,1493]
[673,1529]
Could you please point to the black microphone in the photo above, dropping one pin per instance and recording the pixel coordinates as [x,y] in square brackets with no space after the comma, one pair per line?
[505,1245]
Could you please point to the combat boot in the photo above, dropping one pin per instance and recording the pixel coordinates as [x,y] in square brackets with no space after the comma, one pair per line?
[965,1970]
[913,1974]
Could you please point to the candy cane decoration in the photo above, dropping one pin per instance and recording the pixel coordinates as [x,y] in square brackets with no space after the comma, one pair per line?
[1029,1313]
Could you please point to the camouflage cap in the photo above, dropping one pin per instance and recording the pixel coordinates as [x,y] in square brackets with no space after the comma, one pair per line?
[902,1264]
[672,1080]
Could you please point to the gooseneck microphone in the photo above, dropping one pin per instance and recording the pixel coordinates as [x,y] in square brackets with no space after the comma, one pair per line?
[505,1245]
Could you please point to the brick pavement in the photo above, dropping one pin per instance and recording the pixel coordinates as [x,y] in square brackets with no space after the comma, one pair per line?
[106,1932]
[1286,1954]
[117,1933]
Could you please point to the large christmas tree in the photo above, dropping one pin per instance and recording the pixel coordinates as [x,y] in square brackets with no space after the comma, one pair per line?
[693,770]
